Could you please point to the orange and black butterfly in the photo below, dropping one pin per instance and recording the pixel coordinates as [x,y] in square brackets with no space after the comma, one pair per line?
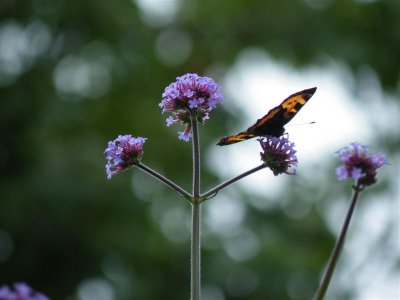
[272,123]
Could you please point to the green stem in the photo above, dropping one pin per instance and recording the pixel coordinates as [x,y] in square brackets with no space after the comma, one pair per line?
[195,251]
[225,184]
[196,157]
[164,180]
[195,285]
[338,247]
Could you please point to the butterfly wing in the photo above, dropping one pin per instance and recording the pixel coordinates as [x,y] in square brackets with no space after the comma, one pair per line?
[272,123]
[235,138]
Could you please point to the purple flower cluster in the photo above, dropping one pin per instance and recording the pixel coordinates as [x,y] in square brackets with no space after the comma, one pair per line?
[279,154]
[190,93]
[21,291]
[359,164]
[122,153]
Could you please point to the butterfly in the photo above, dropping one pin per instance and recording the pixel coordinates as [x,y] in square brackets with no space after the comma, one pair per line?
[272,123]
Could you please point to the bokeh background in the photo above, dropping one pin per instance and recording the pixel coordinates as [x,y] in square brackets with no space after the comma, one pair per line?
[75,74]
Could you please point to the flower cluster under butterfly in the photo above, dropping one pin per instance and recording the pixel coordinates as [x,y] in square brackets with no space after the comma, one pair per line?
[279,155]
[190,94]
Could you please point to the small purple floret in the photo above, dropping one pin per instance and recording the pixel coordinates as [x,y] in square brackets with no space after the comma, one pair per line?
[122,153]
[184,135]
[359,164]
[170,121]
[279,155]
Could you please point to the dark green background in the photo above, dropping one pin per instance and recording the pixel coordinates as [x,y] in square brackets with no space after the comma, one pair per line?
[62,223]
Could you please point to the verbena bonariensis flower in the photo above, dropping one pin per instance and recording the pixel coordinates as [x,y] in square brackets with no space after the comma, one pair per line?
[359,164]
[122,153]
[190,93]
[21,291]
[279,154]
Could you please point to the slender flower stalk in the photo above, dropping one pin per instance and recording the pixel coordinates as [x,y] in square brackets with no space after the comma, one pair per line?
[361,166]
[215,190]
[164,180]
[338,247]
[196,156]
[195,286]
[195,279]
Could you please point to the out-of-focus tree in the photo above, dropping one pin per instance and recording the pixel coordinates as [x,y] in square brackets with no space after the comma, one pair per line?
[75,74]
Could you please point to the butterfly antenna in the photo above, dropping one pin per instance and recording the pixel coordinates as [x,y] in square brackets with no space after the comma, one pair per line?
[305,123]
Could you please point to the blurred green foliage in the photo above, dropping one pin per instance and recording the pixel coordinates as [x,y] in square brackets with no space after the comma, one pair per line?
[75,74]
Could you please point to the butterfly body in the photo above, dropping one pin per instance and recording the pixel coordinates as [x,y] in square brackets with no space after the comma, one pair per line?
[272,123]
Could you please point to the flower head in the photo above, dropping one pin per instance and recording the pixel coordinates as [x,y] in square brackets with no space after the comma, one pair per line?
[190,93]
[21,291]
[359,164]
[122,153]
[279,154]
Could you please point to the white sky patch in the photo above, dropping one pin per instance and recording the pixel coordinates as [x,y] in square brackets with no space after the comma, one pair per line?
[95,289]
[224,216]
[87,75]
[20,46]
[158,13]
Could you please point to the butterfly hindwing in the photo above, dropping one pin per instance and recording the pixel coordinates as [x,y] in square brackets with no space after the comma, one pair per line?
[272,123]
[235,138]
